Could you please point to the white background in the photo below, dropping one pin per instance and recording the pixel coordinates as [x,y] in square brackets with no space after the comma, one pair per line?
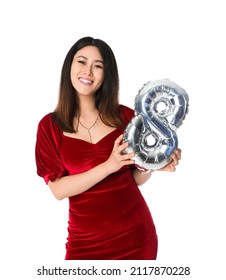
[180,40]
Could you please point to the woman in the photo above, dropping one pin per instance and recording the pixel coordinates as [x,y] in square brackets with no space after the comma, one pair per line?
[79,153]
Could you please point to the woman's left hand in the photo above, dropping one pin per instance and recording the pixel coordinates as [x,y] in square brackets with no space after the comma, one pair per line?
[171,166]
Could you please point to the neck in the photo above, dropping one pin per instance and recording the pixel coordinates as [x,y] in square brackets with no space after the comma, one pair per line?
[87,107]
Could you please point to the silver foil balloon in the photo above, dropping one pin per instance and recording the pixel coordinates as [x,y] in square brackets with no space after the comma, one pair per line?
[160,108]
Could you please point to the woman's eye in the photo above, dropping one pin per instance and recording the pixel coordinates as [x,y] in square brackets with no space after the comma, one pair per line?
[98,66]
[81,61]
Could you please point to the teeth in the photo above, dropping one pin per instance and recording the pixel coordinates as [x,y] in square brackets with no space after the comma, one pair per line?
[85,81]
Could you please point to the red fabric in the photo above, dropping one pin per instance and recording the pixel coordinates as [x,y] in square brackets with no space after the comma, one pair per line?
[109,221]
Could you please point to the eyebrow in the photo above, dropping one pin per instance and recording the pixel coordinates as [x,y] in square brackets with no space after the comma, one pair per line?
[81,56]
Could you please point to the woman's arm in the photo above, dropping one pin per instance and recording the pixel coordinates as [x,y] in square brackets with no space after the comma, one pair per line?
[141,177]
[75,184]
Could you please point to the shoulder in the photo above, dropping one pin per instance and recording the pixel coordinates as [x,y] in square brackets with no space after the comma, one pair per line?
[48,125]
[126,110]
[47,120]
[126,113]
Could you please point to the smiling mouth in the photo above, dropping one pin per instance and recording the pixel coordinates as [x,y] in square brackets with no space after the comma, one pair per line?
[85,81]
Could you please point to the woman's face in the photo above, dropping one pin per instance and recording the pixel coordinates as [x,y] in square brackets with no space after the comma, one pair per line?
[87,71]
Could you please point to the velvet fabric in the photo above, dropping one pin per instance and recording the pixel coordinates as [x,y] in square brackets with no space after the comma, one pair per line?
[111,220]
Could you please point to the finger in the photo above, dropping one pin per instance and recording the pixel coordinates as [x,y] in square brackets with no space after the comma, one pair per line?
[129,156]
[178,153]
[122,147]
[172,168]
[119,139]
[175,157]
[127,162]
[124,157]
[117,142]
[172,164]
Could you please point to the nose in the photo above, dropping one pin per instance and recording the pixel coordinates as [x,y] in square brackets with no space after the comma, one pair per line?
[88,70]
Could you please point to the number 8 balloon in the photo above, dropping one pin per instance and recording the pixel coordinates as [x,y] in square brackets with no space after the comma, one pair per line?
[160,108]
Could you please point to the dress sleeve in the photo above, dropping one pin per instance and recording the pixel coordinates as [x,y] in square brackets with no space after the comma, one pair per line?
[47,150]
[126,114]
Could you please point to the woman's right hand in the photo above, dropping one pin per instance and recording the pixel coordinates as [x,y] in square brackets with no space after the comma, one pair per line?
[118,159]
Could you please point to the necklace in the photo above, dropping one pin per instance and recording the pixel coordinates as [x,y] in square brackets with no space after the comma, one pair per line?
[88,129]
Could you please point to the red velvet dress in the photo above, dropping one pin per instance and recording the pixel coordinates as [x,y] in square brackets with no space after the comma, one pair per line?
[111,220]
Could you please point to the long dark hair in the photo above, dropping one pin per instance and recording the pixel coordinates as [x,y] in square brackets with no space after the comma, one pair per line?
[106,98]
